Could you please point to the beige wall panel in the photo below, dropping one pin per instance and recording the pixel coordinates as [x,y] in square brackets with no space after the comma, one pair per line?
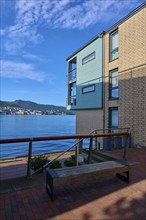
[132,41]
[132,77]
[88,120]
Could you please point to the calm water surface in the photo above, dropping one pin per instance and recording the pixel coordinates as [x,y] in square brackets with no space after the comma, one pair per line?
[23,126]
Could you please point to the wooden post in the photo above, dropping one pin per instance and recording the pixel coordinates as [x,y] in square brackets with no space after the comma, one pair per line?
[125,156]
[96,143]
[77,155]
[90,150]
[29,159]
[80,146]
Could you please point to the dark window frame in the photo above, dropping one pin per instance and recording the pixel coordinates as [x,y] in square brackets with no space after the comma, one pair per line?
[110,45]
[85,87]
[72,97]
[110,119]
[83,63]
[111,88]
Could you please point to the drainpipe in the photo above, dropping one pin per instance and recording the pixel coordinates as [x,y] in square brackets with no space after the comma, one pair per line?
[101,35]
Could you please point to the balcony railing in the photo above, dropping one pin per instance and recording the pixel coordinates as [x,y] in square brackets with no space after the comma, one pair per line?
[72,75]
[72,100]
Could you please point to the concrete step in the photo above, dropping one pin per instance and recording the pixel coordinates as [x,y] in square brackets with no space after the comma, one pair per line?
[98,158]
[95,157]
[106,154]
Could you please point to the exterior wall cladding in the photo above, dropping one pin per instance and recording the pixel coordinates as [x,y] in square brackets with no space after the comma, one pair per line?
[131,66]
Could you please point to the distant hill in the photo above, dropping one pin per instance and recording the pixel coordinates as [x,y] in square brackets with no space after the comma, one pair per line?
[8,104]
[32,106]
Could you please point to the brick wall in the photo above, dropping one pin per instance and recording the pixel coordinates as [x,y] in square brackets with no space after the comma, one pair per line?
[132,77]
[88,120]
[132,103]
[132,41]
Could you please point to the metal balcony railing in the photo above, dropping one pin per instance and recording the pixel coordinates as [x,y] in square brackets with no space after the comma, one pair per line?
[72,100]
[72,75]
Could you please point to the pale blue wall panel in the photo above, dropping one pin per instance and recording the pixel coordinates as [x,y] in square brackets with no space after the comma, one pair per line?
[88,74]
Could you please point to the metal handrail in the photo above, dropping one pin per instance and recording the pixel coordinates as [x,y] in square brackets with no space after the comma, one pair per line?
[90,135]
[36,139]
[74,145]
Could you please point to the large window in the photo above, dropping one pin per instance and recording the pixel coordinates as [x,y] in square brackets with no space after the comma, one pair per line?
[114,45]
[72,69]
[87,89]
[72,97]
[88,58]
[113,87]
[113,118]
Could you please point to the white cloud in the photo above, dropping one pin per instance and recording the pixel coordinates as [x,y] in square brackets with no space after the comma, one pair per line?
[15,70]
[32,57]
[80,14]
[67,13]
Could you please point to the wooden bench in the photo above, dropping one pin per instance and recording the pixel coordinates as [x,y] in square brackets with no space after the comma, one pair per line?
[55,176]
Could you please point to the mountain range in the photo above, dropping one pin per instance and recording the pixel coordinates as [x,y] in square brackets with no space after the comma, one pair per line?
[32,106]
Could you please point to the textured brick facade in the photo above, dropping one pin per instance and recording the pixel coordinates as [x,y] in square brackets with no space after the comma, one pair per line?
[88,120]
[132,103]
[131,65]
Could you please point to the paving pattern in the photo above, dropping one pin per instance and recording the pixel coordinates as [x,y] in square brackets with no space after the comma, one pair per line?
[101,199]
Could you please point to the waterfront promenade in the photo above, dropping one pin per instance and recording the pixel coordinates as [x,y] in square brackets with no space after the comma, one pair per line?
[101,199]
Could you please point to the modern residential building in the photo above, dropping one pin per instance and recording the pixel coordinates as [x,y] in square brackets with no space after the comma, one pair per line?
[107,79]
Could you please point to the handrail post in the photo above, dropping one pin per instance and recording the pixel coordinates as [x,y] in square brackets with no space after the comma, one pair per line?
[125,156]
[77,155]
[90,150]
[96,148]
[80,145]
[29,159]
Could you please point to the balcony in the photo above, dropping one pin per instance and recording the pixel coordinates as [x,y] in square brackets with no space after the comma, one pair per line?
[72,100]
[72,76]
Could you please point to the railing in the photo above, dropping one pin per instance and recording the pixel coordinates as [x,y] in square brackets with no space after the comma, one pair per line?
[72,100]
[92,135]
[72,75]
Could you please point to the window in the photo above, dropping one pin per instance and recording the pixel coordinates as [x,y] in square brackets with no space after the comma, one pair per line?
[113,118]
[87,89]
[88,58]
[72,97]
[114,45]
[113,87]
[72,69]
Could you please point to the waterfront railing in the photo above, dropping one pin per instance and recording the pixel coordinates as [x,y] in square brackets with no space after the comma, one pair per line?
[93,138]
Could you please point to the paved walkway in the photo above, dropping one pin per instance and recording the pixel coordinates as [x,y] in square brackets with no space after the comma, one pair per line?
[101,199]
[15,168]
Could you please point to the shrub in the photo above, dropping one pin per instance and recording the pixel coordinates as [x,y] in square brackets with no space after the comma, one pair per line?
[38,162]
[70,162]
[55,164]
[73,157]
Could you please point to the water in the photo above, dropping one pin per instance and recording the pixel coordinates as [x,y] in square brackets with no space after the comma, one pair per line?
[23,126]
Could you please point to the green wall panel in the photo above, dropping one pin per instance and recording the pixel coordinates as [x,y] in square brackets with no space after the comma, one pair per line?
[88,74]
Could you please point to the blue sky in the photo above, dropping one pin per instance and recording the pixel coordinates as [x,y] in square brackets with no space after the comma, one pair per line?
[38,35]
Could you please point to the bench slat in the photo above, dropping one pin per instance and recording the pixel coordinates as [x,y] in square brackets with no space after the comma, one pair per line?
[84,169]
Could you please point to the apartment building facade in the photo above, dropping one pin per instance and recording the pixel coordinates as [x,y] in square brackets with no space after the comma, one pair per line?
[107,79]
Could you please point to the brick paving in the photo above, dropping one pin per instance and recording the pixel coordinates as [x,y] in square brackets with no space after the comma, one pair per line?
[101,199]
[15,168]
